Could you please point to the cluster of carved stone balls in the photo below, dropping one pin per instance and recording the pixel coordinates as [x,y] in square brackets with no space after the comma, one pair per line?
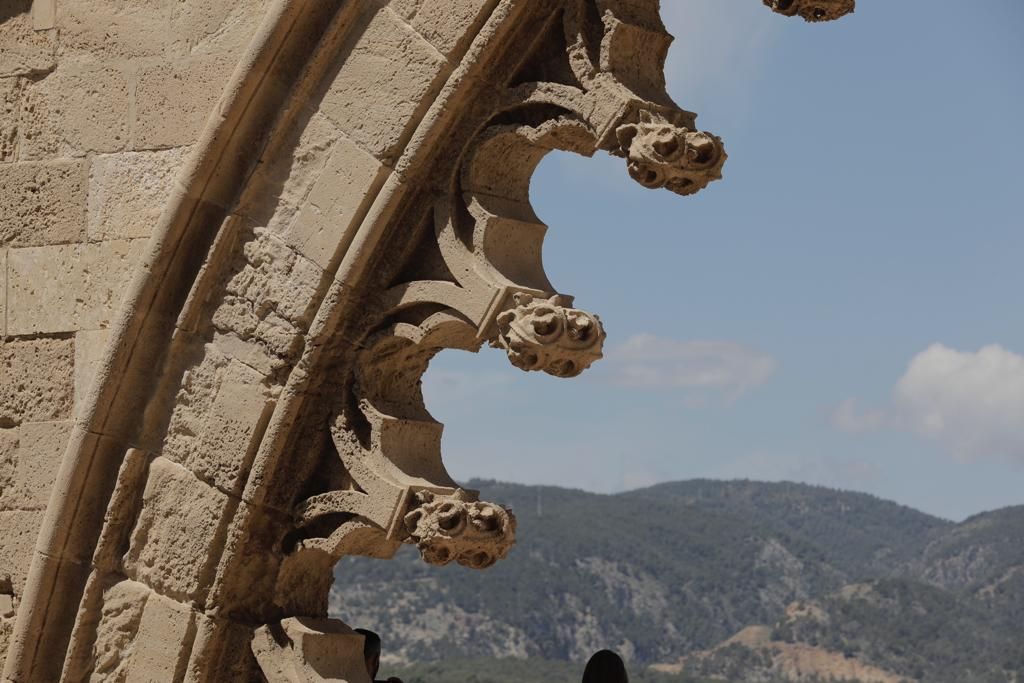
[449,528]
[813,10]
[660,154]
[548,335]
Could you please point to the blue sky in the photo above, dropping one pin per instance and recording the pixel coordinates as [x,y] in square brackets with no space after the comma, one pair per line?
[844,308]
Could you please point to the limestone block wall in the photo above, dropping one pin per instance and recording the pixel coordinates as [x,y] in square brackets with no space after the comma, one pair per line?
[100,102]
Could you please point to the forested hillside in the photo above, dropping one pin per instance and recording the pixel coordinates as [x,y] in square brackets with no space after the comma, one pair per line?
[841,581]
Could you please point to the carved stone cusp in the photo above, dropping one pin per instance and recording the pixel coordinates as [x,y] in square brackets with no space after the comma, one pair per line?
[813,10]
[452,527]
[660,153]
[548,335]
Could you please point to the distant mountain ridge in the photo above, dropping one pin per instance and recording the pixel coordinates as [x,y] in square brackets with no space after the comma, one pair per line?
[665,573]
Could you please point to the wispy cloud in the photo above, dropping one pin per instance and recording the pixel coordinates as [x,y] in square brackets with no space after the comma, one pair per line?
[969,402]
[715,367]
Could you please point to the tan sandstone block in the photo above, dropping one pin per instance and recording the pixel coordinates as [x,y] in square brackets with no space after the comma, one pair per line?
[23,50]
[214,649]
[165,633]
[286,173]
[446,25]
[128,191]
[68,288]
[42,203]
[3,293]
[41,449]
[117,630]
[6,628]
[35,380]
[89,348]
[384,79]
[172,541]
[11,89]
[204,27]
[9,441]
[173,99]
[230,434]
[79,108]
[337,202]
[108,30]
[20,528]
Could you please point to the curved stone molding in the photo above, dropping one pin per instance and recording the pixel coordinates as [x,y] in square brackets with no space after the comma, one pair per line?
[813,10]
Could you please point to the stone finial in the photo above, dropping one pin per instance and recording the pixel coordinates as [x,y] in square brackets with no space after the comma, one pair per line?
[662,154]
[548,335]
[813,10]
[450,527]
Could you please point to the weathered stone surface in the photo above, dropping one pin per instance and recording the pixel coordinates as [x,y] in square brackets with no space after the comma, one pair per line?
[43,203]
[193,403]
[67,288]
[173,99]
[265,305]
[336,202]
[381,83]
[141,637]
[35,380]
[89,348]
[161,650]
[35,465]
[172,543]
[228,432]
[282,181]
[76,109]
[203,27]
[122,610]
[111,30]
[128,191]
[20,528]
[446,25]
[23,50]
[310,650]
[8,462]
[11,89]
[215,652]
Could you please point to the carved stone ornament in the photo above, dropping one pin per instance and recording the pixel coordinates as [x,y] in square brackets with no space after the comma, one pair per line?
[663,154]
[548,335]
[813,10]
[357,203]
[452,527]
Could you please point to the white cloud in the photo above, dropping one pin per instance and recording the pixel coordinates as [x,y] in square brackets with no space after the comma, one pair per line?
[969,402]
[649,361]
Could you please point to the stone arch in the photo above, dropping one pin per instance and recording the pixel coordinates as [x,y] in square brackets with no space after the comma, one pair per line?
[358,201]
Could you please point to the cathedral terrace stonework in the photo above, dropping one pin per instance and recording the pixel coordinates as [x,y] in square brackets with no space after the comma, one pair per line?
[233,236]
